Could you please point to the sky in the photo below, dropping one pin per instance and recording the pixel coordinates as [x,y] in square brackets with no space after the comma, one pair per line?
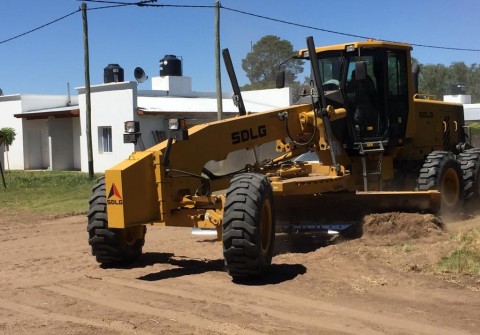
[44,61]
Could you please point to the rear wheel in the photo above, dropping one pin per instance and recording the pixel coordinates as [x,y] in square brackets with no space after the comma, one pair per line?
[248,226]
[441,171]
[111,246]
[470,164]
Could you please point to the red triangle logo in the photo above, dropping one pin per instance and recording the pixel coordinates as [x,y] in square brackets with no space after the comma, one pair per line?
[114,192]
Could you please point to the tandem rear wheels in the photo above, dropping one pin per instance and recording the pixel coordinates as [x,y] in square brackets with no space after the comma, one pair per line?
[248,226]
[442,171]
[111,247]
[470,164]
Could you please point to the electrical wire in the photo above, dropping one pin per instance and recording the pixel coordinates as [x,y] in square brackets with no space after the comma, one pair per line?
[138,3]
[40,27]
[147,3]
[107,7]
[341,33]
[152,3]
[59,19]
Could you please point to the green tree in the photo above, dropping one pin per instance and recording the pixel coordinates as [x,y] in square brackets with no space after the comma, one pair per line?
[437,79]
[473,82]
[9,135]
[261,64]
[433,78]
[458,73]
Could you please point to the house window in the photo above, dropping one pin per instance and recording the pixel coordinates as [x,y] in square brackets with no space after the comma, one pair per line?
[104,139]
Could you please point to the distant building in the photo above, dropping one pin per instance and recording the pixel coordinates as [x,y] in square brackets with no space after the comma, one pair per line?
[51,129]
[471,112]
[47,131]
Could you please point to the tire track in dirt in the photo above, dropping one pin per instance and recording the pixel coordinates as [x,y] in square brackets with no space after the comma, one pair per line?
[244,303]
[54,316]
[359,321]
[185,318]
[337,310]
[272,303]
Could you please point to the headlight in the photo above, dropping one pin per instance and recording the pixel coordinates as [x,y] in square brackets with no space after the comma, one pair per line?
[175,124]
[350,48]
[132,127]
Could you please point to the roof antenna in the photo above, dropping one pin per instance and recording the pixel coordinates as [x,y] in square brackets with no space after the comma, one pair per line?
[69,102]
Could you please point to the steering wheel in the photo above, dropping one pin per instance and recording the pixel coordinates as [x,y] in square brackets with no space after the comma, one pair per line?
[331,85]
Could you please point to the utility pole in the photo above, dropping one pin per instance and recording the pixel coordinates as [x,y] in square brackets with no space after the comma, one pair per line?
[217,61]
[88,127]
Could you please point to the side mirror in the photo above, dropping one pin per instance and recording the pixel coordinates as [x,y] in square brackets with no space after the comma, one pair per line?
[280,79]
[360,70]
[415,73]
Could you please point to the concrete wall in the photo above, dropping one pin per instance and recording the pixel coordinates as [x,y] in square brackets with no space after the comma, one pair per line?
[112,105]
[32,102]
[76,133]
[458,98]
[267,99]
[60,132]
[36,151]
[10,105]
[148,124]
[472,112]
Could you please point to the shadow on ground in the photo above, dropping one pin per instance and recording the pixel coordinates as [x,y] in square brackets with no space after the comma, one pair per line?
[184,266]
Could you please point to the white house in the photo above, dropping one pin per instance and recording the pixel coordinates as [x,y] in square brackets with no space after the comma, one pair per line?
[472,111]
[45,127]
[471,114]
[51,130]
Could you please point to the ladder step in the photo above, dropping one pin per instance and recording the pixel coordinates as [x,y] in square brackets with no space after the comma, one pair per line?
[366,148]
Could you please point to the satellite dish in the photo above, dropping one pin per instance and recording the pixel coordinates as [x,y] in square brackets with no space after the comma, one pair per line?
[140,75]
[1,92]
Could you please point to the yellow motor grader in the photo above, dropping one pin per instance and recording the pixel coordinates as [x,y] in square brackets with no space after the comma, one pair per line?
[363,140]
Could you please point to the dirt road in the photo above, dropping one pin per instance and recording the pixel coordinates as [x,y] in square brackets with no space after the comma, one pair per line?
[50,284]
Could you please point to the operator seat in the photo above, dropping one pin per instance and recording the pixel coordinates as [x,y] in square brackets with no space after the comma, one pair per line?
[363,102]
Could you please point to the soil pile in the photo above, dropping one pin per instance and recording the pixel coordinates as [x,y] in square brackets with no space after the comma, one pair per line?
[402,225]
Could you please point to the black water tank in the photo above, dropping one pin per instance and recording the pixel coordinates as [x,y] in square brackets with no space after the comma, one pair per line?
[113,73]
[170,65]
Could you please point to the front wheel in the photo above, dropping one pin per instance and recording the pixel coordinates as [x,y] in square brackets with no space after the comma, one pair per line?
[111,246]
[441,171]
[248,226]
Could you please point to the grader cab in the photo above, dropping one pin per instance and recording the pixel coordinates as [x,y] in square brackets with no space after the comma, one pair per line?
[378,145]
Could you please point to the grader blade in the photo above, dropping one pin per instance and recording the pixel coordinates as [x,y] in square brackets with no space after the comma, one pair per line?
[346,207]
[424,202]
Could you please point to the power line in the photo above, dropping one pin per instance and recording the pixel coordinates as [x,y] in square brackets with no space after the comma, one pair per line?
[108,7]
[341,33]
[152,3]
[118,4]
[293,23]
[147,3]
[40,27]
